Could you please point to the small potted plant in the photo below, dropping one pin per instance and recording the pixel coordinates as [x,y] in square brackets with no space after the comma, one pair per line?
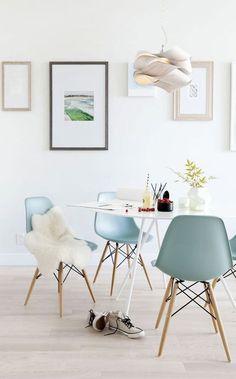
[198,194]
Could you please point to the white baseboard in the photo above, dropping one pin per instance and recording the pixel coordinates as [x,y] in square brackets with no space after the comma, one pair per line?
[26,259]
[20,259]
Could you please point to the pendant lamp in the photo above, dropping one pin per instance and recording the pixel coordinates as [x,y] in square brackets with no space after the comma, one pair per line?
[169,70]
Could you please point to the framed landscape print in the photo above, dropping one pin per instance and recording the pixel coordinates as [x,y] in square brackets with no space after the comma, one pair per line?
[195,101]
[79,105]
[16,86]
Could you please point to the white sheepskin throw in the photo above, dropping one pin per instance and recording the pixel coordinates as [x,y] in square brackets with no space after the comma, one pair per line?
[52,242]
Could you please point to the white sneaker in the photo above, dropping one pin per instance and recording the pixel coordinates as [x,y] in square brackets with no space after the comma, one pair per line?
[118,321]
[97,320]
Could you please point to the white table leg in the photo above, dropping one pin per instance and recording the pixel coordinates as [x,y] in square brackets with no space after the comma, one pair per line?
[143,241]
[159,245]
[157,234]
[228,292]
[134,266]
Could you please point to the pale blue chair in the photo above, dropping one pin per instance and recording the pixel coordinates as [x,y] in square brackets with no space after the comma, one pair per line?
[121,234]
[231,271]
[40,205]
[195,249]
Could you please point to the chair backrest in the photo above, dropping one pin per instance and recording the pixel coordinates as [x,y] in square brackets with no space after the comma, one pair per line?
[195,248]
[112,227]
[35,205]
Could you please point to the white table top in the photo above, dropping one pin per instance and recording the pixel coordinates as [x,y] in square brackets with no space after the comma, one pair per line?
[118,208]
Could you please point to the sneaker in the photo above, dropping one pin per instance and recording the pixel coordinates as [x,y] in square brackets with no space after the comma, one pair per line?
[97,320]
[117,321]
[91,317]
[100,321]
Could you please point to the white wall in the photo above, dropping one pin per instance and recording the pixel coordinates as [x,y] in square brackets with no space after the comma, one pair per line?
[142,135]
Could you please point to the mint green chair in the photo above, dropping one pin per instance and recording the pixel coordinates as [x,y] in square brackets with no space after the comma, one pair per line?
[40,205]
[232,242]
[231,271]
[195,249]
[121,234]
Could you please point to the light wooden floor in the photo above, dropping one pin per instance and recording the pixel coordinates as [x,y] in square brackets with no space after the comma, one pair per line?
[35,343]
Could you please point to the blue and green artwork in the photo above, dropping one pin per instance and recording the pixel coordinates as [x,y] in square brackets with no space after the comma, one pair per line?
[79,105]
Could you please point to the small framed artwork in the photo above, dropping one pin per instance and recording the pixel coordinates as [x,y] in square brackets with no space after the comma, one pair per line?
[16,86]
[195,101]
[79,105]
[137,90]
[232,142]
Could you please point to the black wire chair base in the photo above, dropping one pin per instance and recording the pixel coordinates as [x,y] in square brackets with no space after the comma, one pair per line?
[70,269]
[130,254]
[176,287]
[230,272]
[192,295]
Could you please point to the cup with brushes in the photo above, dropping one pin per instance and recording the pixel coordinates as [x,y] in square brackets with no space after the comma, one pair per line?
[164,204]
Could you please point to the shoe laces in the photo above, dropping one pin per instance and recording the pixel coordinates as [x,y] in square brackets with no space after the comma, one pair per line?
[126,320]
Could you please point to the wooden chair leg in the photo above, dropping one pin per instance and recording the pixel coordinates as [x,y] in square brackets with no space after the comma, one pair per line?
[211,309]
[60,284]
[163,304]
[145,271]
[88,285]
[167,320]
[214,283]
[31,286]
[114,268]
[219,323]
[101,261]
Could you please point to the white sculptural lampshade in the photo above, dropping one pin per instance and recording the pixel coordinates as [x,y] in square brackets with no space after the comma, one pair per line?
[168,70]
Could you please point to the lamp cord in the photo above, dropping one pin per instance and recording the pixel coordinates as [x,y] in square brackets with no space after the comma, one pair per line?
[165,36]
[163,12]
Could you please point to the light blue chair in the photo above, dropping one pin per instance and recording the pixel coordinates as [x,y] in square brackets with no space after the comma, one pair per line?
[121,233]
[232,271]
[40,205]
[195,249]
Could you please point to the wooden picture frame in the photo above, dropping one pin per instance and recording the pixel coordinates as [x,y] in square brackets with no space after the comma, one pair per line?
[16,86]
[195,101]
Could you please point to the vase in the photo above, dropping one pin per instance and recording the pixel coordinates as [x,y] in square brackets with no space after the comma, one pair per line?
[199,199]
